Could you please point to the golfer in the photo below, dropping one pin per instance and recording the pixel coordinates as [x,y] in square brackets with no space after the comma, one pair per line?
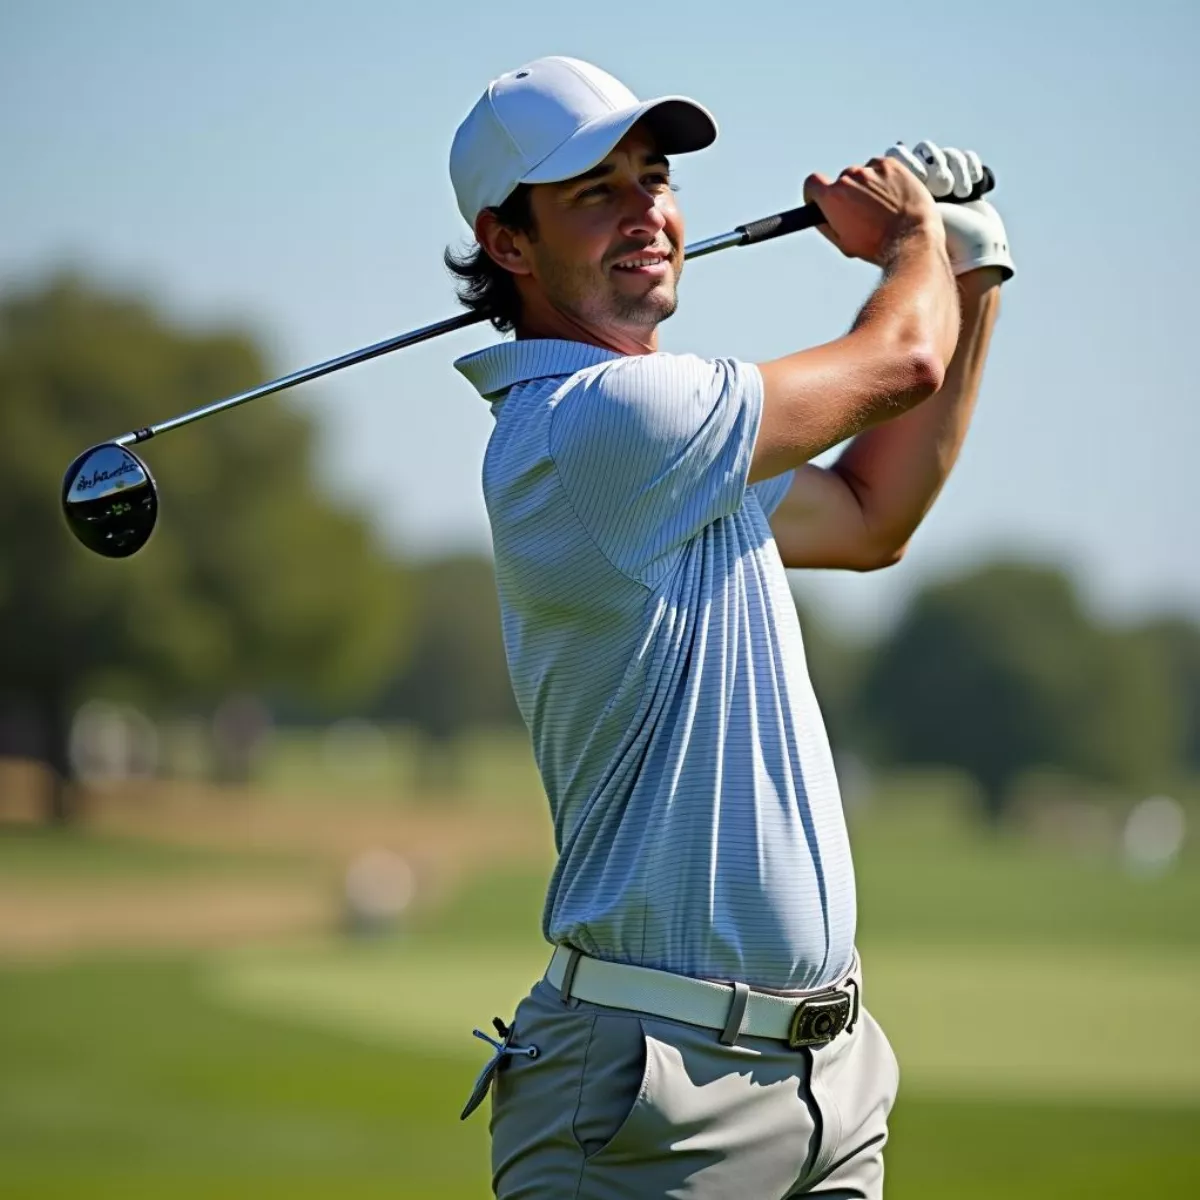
[700,1030]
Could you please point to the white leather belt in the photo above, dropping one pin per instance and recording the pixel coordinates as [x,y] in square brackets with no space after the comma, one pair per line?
[800,1019]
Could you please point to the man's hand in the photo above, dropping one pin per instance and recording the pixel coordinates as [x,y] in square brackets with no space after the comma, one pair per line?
[975,235]
[871,208]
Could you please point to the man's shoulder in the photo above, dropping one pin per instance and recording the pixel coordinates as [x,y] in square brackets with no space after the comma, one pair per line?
[637,377]
[681,390]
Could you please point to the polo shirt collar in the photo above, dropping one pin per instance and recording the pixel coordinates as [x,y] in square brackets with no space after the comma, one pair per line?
[497,368]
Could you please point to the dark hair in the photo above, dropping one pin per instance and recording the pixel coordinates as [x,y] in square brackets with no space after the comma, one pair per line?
[484,285]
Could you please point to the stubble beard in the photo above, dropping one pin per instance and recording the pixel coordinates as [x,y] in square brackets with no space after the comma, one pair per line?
[649,310]
[598,304]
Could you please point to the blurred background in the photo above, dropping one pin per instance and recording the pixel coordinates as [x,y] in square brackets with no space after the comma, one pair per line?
[271,838]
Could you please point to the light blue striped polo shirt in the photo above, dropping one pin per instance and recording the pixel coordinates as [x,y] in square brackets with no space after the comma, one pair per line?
[656,657]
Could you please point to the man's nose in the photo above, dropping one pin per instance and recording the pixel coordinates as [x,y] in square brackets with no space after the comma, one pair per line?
[641,216]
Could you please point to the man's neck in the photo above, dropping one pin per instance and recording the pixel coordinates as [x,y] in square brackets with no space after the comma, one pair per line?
[551,323]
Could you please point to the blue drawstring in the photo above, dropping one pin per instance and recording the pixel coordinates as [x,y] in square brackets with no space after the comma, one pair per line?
[504,1047]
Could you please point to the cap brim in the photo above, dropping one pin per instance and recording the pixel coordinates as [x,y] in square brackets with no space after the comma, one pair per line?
[679,126]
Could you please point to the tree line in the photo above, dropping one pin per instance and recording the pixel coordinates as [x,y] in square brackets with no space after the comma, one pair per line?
[258,581]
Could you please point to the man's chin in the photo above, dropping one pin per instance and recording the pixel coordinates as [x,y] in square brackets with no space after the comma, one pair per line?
[656,305]
[668,307]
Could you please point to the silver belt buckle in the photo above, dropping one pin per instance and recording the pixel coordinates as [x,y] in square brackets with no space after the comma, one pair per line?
[819,1019]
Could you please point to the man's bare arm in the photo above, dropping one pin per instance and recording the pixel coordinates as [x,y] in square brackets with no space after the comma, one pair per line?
[896,354]
[860,513]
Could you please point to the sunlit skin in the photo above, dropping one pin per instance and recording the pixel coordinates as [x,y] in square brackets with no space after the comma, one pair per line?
[567,271]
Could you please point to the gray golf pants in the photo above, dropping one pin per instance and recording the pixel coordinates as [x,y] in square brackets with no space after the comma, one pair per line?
[619,1104]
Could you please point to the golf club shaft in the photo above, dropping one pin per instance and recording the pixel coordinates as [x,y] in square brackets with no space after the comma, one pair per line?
[303,376]
[791,221]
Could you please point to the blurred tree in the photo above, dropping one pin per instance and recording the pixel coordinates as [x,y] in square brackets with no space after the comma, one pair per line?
[457,677]
[253,579]
[1002,670]
[1177,641]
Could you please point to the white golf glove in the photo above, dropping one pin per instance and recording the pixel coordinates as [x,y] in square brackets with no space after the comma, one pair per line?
[975,235]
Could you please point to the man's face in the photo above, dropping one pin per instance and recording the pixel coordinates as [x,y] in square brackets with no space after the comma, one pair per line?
[608,246]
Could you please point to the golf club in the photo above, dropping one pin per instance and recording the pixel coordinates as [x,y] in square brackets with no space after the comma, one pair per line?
[109,497]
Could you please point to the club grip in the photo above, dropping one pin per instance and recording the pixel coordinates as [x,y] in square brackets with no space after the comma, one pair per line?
[808,215]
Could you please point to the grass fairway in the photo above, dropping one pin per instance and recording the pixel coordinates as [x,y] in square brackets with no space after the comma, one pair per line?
[121,1079]
[1044,1009]
[950,1013]
[155,1088]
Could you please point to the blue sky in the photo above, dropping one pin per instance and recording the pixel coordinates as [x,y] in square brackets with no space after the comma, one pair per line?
[284,165]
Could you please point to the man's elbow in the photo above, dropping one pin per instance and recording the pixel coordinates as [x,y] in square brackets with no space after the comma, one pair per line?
[879,556]
[924,372]
[851,554]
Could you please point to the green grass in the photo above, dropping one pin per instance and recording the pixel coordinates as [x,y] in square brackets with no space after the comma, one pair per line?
[1044,1007]
[1001,1023]
[121,1079]
[960,884]
[127,1079]
[951,1150]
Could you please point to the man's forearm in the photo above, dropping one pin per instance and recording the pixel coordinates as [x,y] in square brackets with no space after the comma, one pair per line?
[897,469]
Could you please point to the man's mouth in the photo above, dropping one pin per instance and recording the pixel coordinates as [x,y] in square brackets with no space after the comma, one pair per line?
[649,263]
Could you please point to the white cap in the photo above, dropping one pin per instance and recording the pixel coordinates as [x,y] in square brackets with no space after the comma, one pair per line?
[553,119]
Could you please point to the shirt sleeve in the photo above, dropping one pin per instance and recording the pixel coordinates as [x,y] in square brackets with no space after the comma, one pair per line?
[651,449]
[770,492]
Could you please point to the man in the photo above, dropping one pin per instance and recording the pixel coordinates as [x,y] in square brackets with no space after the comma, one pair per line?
[699,1030]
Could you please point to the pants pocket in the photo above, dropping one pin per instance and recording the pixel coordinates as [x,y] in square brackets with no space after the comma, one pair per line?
[614,1084]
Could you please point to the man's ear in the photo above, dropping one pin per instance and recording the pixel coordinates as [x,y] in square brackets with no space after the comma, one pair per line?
[502,245]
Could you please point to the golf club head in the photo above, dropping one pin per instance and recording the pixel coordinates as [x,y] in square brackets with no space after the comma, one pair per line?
[109,500]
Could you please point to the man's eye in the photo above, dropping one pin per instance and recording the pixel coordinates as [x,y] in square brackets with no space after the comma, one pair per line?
[599,189]
[660,179]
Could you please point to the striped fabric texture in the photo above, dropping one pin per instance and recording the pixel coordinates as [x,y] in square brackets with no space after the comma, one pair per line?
[657,659]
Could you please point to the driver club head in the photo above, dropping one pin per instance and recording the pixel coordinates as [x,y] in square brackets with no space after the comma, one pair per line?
[109,500]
